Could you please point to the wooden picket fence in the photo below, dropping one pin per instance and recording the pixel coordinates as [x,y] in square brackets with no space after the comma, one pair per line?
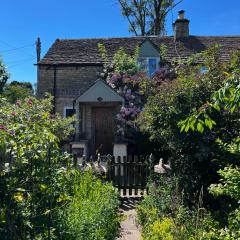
[129,175]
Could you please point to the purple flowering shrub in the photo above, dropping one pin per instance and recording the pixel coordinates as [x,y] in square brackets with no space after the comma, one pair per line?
[135,89]
[129,88]
[124,75]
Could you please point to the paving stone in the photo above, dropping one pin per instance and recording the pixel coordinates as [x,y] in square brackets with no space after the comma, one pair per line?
[129,227]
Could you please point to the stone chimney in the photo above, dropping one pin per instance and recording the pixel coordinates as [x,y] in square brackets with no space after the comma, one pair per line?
[181,26]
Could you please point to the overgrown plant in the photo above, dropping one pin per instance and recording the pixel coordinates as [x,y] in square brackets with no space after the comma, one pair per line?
[225,100]
[163,214]
[123,75]
[92,212]
[31,176]
[195,157]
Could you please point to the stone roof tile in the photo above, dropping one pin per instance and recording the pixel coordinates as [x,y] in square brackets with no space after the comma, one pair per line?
[85,51]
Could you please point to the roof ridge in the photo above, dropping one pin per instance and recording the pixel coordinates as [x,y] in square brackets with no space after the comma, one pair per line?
[107,38]
[142,37]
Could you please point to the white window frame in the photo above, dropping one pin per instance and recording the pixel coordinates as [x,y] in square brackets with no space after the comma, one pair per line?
[147,58]
[66,108]
[204,69]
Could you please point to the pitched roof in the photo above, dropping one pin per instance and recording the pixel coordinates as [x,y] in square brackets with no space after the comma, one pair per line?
[85,51]
[100,91]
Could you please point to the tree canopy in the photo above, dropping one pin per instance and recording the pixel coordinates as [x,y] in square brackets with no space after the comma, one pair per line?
[147,17]
[4,75]
[17,90]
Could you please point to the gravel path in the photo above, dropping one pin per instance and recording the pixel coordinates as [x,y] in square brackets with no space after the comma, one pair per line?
[129,228]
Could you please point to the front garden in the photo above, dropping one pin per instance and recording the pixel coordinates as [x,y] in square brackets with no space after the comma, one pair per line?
[187,116]
[195,120]
[42,195]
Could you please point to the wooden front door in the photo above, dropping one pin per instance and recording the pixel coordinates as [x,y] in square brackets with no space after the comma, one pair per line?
[103,129]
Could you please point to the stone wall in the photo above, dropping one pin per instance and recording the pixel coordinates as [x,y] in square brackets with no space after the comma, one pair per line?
[71,81]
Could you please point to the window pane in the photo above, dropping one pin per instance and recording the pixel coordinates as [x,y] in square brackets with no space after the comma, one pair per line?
[152,66]
[69,112]
[143,64]
[203,69]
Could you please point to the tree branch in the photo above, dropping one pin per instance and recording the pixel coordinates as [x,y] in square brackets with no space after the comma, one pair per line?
[128,18]
[172,7]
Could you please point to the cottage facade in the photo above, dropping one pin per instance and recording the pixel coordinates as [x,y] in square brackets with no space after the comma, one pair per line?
[70,71]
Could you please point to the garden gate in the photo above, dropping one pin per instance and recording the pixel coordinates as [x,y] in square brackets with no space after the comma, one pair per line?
[129,174]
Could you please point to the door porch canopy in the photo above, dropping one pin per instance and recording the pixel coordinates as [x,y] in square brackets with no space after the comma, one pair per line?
[100,92]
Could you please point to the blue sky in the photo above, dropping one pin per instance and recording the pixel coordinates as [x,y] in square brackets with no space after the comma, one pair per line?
[23,21]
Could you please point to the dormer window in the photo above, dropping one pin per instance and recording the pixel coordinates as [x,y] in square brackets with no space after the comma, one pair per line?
[148,65]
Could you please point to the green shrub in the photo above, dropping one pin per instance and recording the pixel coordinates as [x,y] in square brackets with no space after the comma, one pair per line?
[92,212]
[163,198]
[161,230]
[31,175]
[162,215]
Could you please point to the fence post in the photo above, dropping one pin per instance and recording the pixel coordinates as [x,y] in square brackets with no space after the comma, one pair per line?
[119,171]
[130,174]
[125,175]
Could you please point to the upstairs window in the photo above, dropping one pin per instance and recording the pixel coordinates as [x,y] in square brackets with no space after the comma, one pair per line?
[203,69]
[69,112]
[149,65]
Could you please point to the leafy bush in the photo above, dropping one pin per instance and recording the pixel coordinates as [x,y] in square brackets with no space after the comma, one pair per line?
[196,157]
[92,212]
[163,215]
[161,230]
[38,184]
[31,174]
[17,91]
[225,100]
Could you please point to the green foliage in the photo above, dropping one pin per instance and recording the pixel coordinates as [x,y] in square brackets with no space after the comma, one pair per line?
[225,100]
[92,212]
[195,118]
[42,196]
[163,215]
[4,75]
[230,183]
[122,74]
[17,91]
[195,155]
[124,63]
[161,230]
[103,52]
[31,175]
[163,54]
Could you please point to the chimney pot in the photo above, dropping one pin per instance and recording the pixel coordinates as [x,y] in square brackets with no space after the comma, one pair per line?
[181,14]
[181,26]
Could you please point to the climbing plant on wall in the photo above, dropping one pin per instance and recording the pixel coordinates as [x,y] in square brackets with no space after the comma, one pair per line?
[125,76]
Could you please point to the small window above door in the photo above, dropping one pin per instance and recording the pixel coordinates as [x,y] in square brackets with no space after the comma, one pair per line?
[149,65]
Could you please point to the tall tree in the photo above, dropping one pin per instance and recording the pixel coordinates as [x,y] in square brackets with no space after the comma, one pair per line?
[3,76]
[147,17]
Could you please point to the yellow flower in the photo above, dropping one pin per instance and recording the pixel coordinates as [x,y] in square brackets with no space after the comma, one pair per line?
[18,197]
[42,187]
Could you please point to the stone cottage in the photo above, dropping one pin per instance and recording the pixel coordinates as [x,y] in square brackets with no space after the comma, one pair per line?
[71,67]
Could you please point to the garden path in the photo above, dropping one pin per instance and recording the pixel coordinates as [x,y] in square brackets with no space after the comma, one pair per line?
[129,227]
